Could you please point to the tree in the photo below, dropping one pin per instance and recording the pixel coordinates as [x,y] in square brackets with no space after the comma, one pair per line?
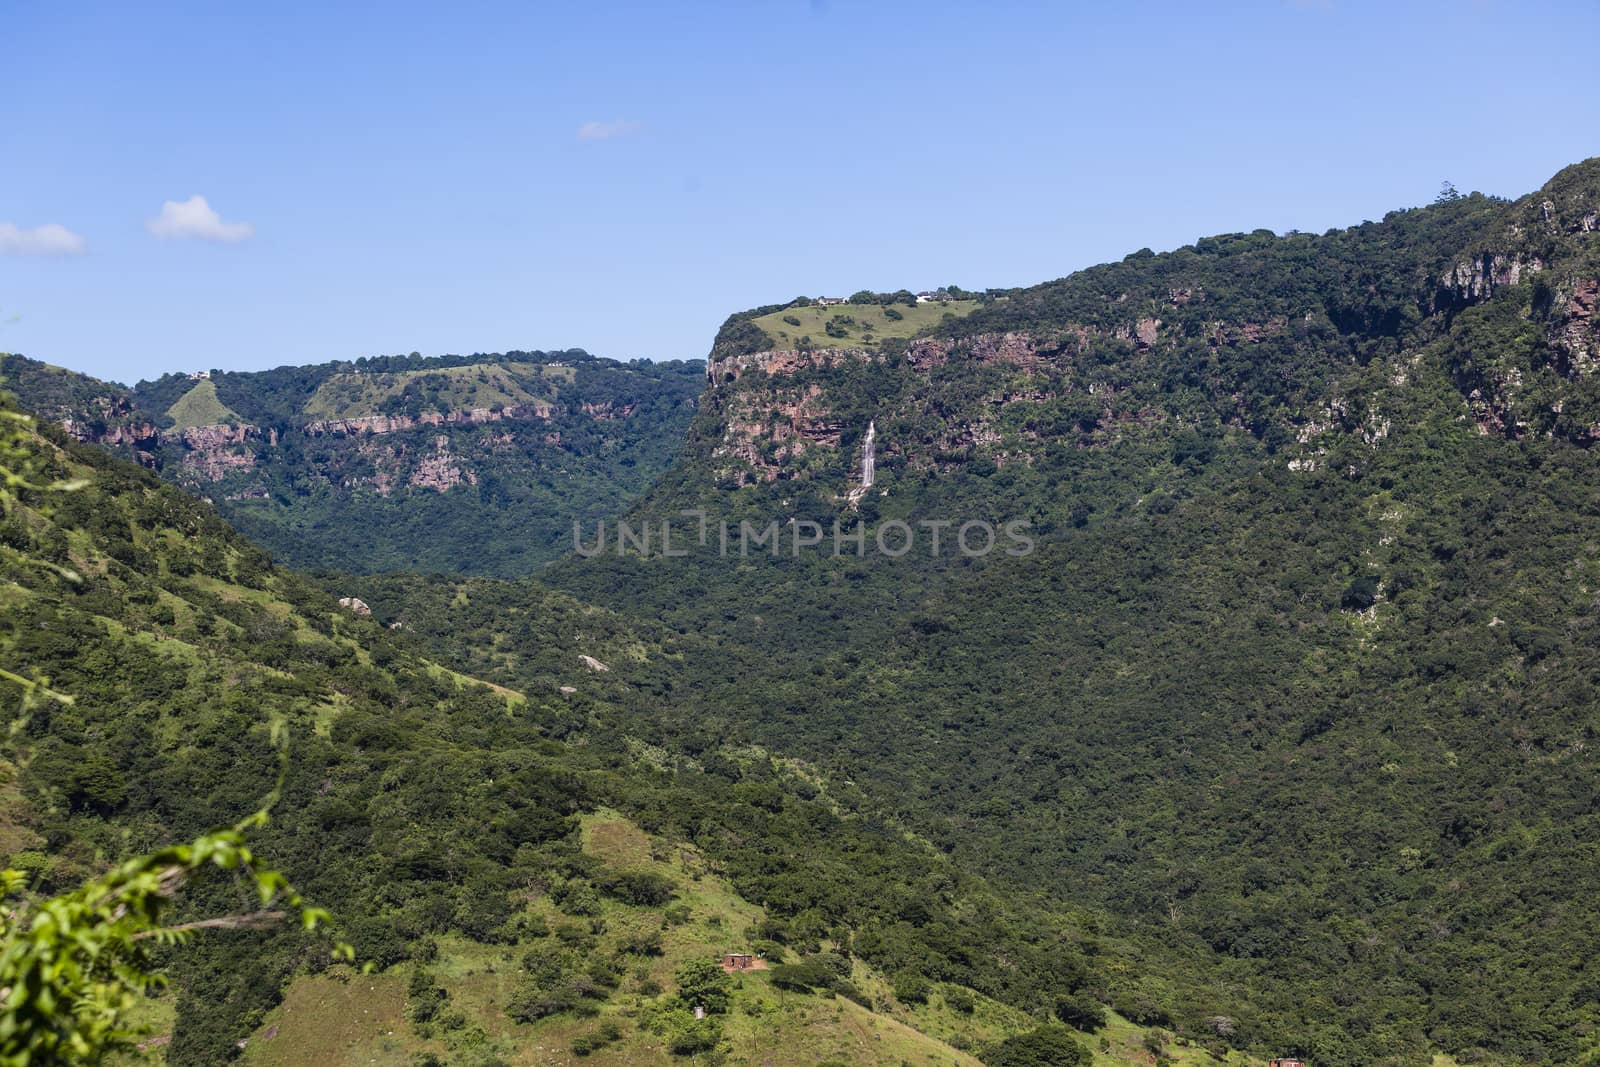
[911,988]
[1360,594]
[1081,1012]
[802,977]
[703,983]
[1048,1046]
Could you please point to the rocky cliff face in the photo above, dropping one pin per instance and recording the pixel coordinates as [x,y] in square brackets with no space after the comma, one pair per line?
[1288,338]
[1005,395]
[198,456]
[203,453]
[448,464]
[1574,333]
[382,424]
[1526,344]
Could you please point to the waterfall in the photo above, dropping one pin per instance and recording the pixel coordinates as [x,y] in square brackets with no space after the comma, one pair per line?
[869,455]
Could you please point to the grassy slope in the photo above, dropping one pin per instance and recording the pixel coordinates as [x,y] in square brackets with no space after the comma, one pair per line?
[870,318]
[343,1018]
[201,406]
[480,385]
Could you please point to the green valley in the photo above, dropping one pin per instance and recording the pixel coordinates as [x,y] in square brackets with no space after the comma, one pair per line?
[1178,649]
[1276,739]
[456,830]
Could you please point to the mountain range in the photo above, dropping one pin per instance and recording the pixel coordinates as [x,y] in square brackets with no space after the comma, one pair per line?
[1272,734]
[352,465]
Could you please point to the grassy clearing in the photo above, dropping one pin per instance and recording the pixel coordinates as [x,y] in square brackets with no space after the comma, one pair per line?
[769,1025]
[201,406]
[990,1020]
[513,698]
[872,322]
[339,1019]
[481,385]
[154,1017]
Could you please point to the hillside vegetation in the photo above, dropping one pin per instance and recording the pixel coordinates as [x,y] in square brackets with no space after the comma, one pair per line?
[448,388]
[458,831]
[1279,738]
[1295,686]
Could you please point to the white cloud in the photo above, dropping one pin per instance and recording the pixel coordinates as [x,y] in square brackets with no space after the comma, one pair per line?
[196,218]
[604,131]
[47,240]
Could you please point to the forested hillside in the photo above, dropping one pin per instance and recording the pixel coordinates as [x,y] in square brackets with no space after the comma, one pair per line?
[1296,682]
[464,464]
[521,869]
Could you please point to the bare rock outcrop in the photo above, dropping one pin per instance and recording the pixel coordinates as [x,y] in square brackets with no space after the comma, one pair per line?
[362,425]
[1574,331]
[1474,280]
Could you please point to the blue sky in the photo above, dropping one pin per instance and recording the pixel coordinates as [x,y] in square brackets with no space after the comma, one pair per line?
[390,178]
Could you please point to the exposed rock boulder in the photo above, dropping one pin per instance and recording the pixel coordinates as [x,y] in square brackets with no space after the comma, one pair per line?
[355,604]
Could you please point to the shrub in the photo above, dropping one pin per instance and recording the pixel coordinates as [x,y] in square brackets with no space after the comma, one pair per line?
[424,996]
[702,982]
[850,991]
[836,964]
[641,943]
[1081,1012]
[641,888]
[960,999]
[687,1035]
[1360,594]
[1048,1046]
[531,1002]
[911,988]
